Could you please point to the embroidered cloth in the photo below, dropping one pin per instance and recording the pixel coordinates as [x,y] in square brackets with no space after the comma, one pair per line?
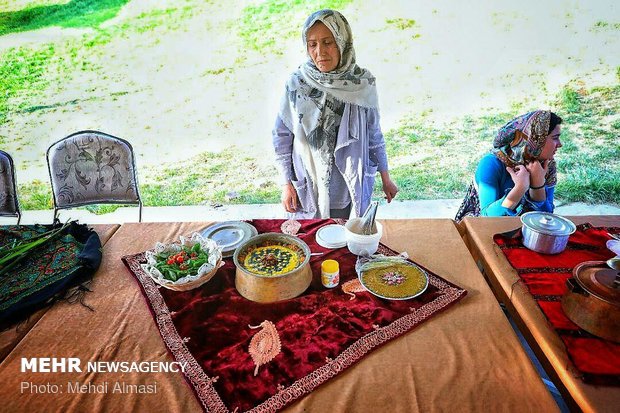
[596,360]
[49,271]
[320,333]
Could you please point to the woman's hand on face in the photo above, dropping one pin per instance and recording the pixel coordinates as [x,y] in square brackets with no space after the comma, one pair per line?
[538,172]
[390,189]
[520,176]
[289,198]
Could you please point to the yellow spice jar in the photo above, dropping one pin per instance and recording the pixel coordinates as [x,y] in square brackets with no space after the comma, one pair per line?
[330,273]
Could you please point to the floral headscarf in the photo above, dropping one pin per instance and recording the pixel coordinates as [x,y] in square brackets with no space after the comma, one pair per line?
[514,148]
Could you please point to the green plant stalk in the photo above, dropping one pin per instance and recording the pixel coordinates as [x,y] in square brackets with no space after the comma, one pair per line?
[24,247]
[6,249]
[16,256]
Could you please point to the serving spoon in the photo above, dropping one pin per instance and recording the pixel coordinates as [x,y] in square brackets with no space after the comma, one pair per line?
[614,236]
[614,264]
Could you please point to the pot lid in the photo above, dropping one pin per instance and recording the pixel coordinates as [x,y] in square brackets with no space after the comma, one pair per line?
[598,279]
[331,236]
[548,223]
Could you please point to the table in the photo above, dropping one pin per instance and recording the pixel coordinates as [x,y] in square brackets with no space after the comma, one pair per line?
[10,338]
[531,321]
[467,358]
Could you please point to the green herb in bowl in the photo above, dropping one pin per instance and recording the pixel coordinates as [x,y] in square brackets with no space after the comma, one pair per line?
[174,266]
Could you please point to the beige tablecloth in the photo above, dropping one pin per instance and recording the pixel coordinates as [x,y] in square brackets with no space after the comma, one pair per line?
[9,338]
[465,359]
[544,341]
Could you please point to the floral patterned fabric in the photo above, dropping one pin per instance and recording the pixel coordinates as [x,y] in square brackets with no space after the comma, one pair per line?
[49,271]
[513,148]
[8,197]
[92,167]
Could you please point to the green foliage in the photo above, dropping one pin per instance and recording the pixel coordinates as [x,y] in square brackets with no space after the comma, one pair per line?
[22,72]
[27,71]
[401,24]
[589,161]
[35,195]
[570,100]
[213,177]
[102,209]
[76,13]
[586,183]
[431,159]
[602,25]
[427,179]
[262,26]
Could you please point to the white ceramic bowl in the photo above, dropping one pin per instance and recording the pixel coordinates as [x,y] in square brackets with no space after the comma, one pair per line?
[360,244]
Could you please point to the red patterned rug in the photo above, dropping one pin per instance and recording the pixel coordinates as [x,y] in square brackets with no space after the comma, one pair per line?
[320,333]
[596,360]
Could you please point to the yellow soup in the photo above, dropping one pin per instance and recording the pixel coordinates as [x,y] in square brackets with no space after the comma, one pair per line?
[271,260]
[397,281]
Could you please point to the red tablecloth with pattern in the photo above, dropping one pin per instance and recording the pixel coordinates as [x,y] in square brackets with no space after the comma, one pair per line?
[597,360]
[322,332]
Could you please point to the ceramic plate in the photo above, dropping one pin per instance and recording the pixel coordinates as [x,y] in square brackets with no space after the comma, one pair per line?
[331,236]
[396,282]
[229,235]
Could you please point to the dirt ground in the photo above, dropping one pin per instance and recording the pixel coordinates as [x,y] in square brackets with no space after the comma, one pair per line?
[175,93]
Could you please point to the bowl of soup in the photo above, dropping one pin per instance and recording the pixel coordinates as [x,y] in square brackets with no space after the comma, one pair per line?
[272,267]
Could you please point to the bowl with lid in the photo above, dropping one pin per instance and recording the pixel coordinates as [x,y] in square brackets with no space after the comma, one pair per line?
[545,232]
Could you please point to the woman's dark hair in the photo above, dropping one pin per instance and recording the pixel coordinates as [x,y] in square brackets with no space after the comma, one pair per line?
[554,121]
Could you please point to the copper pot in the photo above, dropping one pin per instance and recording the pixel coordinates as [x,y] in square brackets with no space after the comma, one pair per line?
[269,289]
[593,299]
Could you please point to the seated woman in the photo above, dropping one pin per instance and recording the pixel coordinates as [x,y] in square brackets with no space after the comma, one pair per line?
[327,137]
[519,175]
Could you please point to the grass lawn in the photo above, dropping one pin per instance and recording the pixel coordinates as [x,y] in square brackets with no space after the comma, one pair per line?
[431,161]
[180,77]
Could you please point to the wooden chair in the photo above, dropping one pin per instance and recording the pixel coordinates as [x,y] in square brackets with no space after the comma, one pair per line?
[91,167]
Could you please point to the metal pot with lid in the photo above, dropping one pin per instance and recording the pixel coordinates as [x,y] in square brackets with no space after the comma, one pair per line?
[593,298]
[545,232]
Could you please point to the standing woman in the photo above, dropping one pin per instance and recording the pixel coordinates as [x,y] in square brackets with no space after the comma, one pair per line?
[519,175]
[327,137]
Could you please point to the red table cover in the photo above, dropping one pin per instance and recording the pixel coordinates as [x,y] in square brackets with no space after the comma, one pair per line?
[596,360]
[322,332]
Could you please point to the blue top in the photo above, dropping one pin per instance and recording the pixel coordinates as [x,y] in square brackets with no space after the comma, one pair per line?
[493,183]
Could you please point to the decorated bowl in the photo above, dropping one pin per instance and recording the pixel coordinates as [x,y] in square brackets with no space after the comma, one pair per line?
[183,265]
[272,267]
